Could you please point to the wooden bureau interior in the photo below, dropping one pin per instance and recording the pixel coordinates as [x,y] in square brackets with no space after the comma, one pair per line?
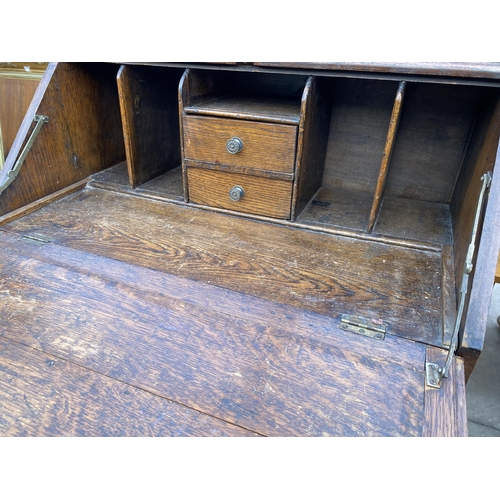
[358,190]
[391,162]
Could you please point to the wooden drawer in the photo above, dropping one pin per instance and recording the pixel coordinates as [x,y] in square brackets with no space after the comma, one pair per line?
[266,146]
[262,196]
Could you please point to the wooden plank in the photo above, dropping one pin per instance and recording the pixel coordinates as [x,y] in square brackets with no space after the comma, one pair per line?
[260,377]
[339,275]
[83,135]
[311,144]
[46,200]
[360,113]
[265,109]
[386,157]
[149,111]
[433,131]
[452,69]
[445,410]
[44,395]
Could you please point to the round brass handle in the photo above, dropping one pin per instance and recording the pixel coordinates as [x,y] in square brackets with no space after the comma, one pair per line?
[236,193]
[234,145]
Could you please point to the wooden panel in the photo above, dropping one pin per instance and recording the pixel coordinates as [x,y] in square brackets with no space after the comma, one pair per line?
[268,109]
[83,135]
[360,118]
[43,395]
[453,69]
[445,409]
[266,146]
[263,196]
[433,133]
[322,273]
[16,95]
[386,158]
[497,271]
[149,111]
[311,143]
[278,377]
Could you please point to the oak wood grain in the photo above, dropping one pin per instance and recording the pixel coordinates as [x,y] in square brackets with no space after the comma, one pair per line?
[445,408]
[149,111]
[44,395]
[261,377]
[321,273]
[266,146]
[263,196]
[386,158]
[83,135]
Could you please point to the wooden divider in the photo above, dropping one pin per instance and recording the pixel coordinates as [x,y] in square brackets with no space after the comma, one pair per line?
[386,158]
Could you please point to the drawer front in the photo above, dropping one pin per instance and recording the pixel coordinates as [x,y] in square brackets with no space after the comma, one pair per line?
[262,196]
[266,146]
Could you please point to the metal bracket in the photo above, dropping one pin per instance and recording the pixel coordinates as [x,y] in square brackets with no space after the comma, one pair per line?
[40,120]
[434,374]
[369,328]
[35,239]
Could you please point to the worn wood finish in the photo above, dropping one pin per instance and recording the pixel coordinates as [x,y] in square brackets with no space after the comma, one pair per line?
[44,395]
[311,144]
[386,158]
[83,135]
[415,220]
[445,410]
[265,377]
[16,95]
[266,146]
[263,196]
[37,205]
[264,109]
[360,116]
[340,275]
[452,69]
[149,111]
[433,132]
[167,186]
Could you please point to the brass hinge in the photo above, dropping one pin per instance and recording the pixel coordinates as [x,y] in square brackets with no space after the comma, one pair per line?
[35,239]
[375,329]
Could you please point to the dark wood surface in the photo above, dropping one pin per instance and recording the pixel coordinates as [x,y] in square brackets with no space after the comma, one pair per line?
[83,135]
[110,348]
[445,410]
[311,144]
[322,273]
[264,109]
[149,112]
[45,395]
[452,69]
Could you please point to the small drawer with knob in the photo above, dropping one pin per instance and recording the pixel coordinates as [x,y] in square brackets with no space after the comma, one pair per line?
[240,143]
[240,192]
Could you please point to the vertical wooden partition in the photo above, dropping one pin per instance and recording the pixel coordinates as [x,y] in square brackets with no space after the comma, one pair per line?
[386,158]
[149,111]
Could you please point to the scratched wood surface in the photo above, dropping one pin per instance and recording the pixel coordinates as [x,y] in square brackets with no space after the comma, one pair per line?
[44,395]
[322,273]
[206,350]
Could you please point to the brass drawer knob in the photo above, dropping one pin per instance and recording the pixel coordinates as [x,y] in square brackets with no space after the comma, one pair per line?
[236,193]
[234,145]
